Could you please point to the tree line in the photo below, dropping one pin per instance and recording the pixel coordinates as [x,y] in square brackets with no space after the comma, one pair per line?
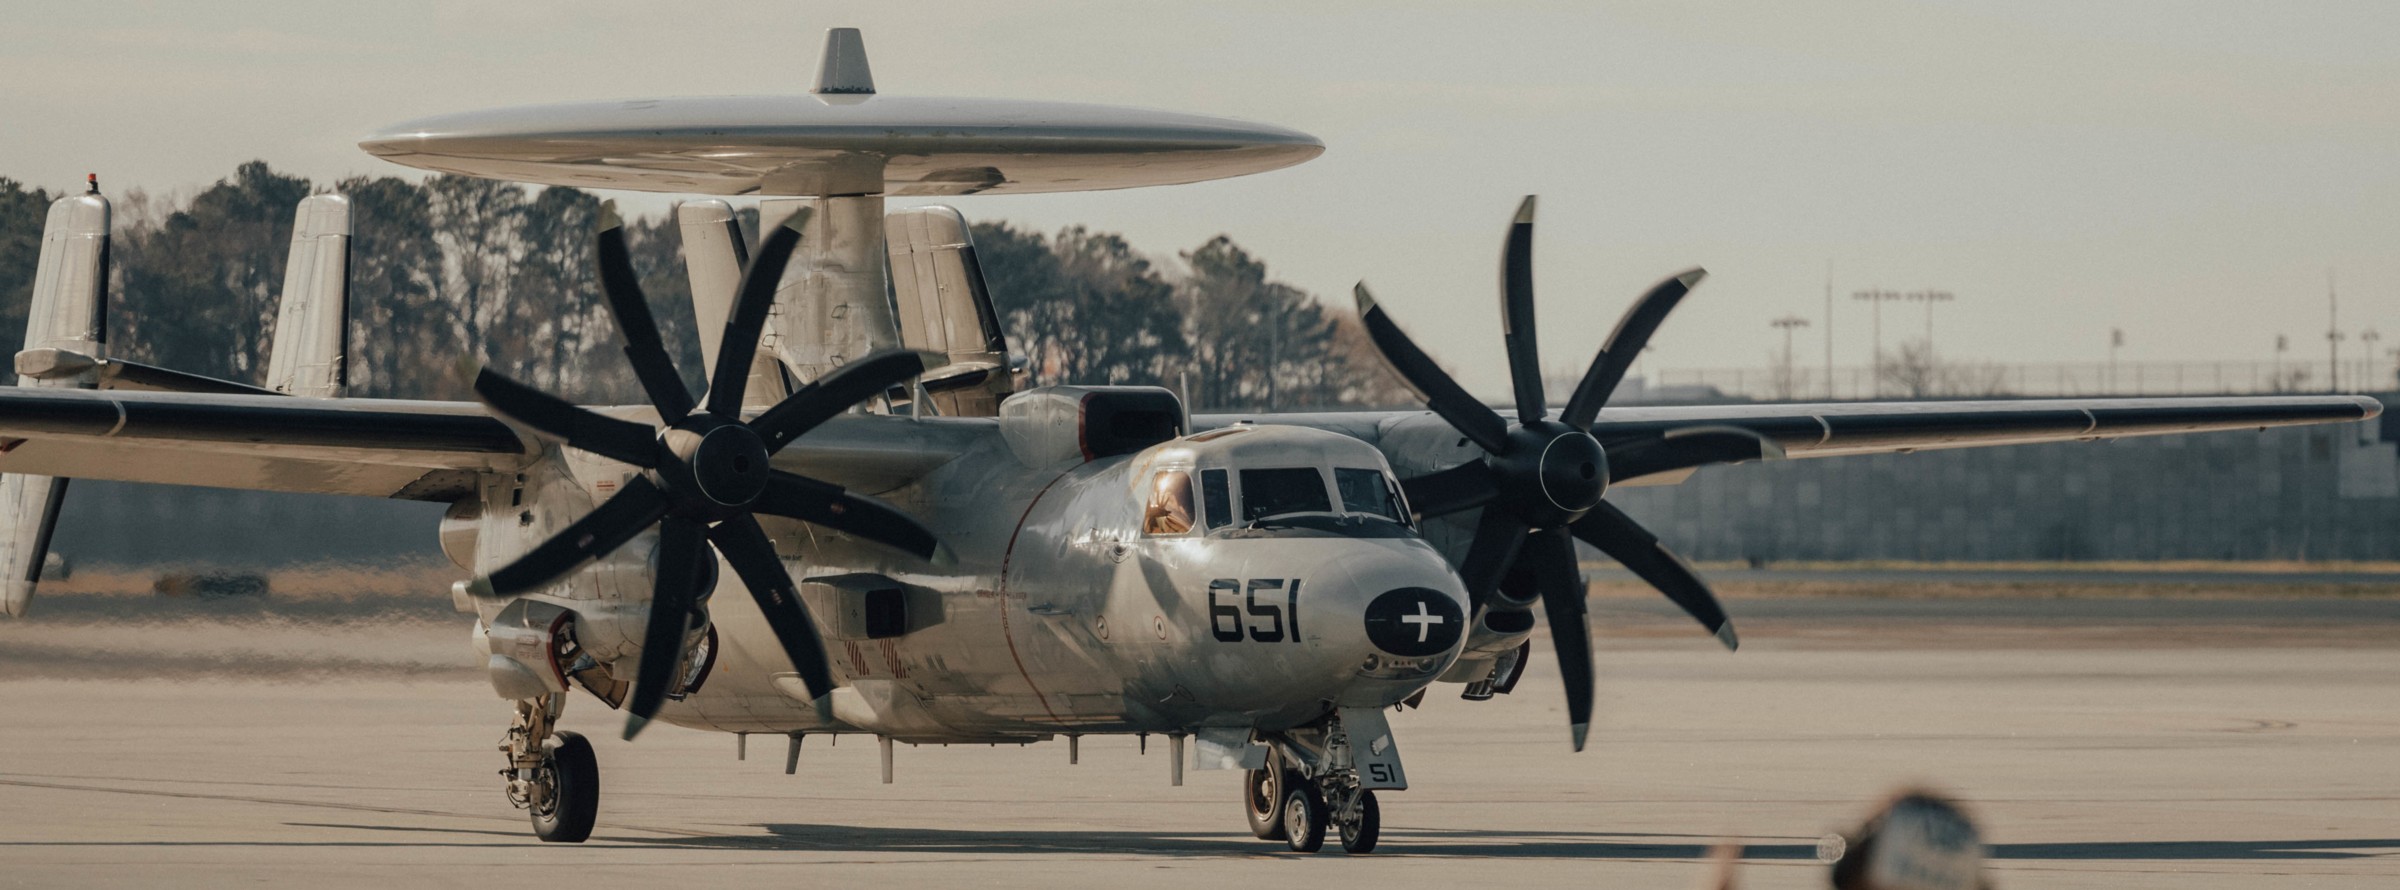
[454,273]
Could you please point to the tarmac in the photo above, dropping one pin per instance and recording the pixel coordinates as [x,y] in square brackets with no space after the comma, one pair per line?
[2113,742]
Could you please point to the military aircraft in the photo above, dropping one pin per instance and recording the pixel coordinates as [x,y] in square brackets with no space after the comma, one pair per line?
[867,525]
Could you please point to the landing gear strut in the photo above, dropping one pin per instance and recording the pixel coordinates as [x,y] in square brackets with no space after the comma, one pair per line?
[551,773]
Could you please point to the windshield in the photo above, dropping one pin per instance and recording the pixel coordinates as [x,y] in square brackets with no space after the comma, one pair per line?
[1274,492]
[1367,491]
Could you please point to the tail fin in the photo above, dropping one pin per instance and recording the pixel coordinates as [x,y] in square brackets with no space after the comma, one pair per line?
[944,306]
[714,256]
[310,356]
[67,319]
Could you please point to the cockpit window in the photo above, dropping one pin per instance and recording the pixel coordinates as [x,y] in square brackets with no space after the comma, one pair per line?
[1275,492]
[1216,494]
[1170,509]
[1366,491]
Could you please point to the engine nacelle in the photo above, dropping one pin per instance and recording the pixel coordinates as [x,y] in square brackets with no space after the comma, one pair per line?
[1053,424]
[522,646]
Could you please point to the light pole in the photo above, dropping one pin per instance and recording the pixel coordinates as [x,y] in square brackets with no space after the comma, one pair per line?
[1789,323]
[2333,337]
[1929,297]
[2116,338]
[2282,345]
[1877,298]
[2366,343]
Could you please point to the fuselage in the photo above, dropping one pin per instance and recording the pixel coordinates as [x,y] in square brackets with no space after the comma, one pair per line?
[1250,576]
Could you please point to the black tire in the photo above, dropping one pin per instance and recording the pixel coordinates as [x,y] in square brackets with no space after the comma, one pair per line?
[1304,819]
[1359,837]
[1262,800]
[568,817]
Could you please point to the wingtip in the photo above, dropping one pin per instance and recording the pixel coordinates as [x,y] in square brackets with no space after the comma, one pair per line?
[1525,211]
[15,598]
[2369,407]
[1366,300]
[1726,636]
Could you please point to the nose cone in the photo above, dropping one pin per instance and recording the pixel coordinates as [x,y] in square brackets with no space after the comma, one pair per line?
[1414,622]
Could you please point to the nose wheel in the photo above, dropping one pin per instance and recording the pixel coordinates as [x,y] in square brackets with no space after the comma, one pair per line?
[566,796]
[1286,804]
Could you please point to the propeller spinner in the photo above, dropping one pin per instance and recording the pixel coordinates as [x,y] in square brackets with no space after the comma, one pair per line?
[1541,481]
[705,472]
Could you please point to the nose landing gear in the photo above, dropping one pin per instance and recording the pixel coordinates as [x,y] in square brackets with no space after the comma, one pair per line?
[1313,781]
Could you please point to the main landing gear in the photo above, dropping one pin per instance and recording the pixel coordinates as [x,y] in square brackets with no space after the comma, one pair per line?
[551,773]
[1311,784]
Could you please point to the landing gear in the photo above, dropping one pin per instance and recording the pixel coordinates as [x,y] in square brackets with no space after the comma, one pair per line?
[1316,779]
[570,781]
[1304,819]
[1262,798]
[551,775]
[1364,827]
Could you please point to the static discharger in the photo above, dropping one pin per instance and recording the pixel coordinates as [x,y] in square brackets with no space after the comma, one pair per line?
[791,754]
[1175,747]
[741,746]
[1074,749]
[886,742]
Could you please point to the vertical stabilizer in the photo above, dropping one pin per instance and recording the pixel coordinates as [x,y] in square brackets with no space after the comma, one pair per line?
[65,336]
[942,305]
[310,354]
[714,254]
[834,303]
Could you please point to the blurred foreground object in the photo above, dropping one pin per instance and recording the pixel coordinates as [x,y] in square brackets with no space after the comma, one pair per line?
[1920,840]
[211,585]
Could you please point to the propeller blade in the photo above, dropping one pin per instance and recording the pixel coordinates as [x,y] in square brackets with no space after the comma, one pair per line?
[1624,345]
[752,554]
[835,392]
[1516,316]
[671,596]
[1498,536]
[1549,556]
[1684,447]
[604,529]
[739,345]
[1441,493]
[643,345]
[1627,542]
[1441,393]
[829,505]
[633,443]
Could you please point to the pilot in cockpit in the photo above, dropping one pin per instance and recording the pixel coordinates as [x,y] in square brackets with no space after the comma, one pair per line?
[1170,511]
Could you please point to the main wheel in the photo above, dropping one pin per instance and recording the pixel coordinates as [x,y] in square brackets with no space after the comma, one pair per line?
[1304,818]
[1262,800]
[572,775]
[1359,835]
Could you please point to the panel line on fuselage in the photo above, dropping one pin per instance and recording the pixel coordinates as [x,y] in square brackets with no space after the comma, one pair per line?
[1006,636]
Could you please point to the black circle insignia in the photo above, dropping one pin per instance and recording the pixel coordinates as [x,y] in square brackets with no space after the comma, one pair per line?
[1413,622]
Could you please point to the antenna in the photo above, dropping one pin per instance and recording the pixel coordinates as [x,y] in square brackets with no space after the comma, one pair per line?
[843,71]
[91,183]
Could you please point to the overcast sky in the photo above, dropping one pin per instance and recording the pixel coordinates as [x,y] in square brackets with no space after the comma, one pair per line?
[2186,171]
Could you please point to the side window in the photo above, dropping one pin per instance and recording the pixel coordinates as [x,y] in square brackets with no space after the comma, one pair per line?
[1366,491]
[1170,509]
[1216,494]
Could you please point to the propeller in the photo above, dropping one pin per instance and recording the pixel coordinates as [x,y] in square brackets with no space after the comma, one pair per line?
[704,472]
[1540,480]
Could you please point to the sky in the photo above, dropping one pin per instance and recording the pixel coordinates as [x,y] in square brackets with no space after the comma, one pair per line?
[2188,172]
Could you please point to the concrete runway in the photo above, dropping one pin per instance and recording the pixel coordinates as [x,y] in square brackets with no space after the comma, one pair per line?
[2133,743]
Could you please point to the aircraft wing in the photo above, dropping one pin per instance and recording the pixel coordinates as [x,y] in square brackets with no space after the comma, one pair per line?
[1418,441]
[375,447]
[415,450]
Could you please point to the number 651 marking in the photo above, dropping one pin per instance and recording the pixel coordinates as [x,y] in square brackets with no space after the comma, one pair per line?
[1235,612]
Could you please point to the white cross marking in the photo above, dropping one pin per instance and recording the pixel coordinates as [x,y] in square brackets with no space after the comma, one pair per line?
[1423,620]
